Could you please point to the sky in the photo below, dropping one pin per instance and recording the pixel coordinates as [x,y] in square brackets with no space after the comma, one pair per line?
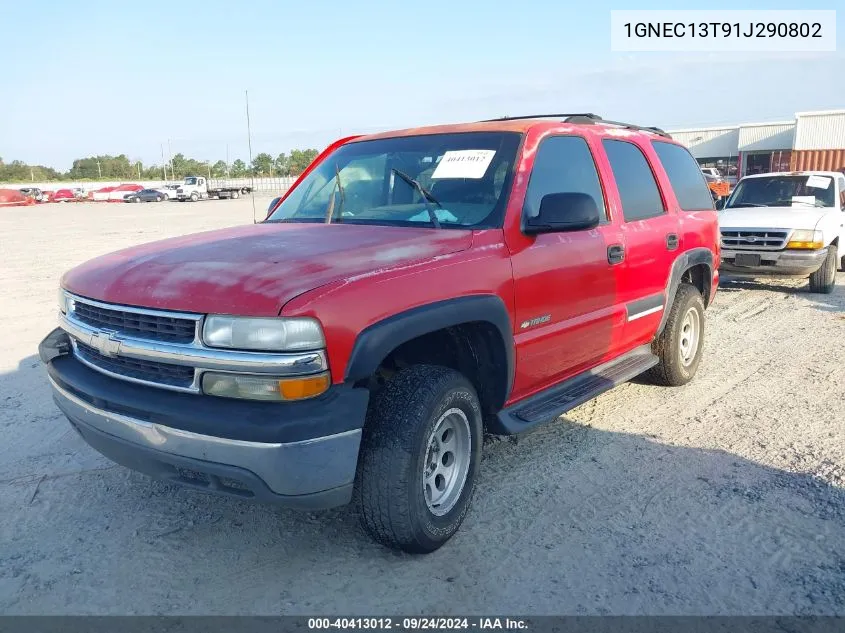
[100,77]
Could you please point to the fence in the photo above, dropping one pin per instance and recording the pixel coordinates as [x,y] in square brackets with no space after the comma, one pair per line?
[269,186]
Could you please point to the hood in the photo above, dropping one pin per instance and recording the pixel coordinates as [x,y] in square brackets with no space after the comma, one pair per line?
[253,270]
[771,217]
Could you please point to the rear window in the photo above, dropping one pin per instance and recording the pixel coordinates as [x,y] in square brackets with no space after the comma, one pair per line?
[685,176]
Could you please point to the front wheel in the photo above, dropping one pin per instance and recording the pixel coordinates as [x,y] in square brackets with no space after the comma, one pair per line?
[419,459]
[194,197]
[235,195]
[678,346]
[824,279]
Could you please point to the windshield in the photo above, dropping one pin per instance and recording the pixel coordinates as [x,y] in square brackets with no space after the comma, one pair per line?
[190,181]
[463,179]
[783,191]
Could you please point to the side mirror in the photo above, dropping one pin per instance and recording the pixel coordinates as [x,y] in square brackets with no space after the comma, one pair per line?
[273,204]
[720,204]
[568,211]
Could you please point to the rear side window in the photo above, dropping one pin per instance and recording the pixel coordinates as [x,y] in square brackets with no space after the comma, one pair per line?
[563,164]
[685,176]
[637,188]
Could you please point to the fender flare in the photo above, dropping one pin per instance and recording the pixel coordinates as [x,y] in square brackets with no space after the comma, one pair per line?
[376,341]
[682,264]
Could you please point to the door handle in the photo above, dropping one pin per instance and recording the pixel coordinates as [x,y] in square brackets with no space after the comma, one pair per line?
[615,253]
[672,241]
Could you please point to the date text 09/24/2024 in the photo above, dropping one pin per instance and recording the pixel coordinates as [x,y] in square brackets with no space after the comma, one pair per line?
[417,623]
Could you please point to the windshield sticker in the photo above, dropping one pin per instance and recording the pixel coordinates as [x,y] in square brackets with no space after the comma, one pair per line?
[465,163]
[818,182]
[804,200]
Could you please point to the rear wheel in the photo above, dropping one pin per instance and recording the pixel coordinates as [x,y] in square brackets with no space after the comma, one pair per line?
[235,194]
[159,198]
[420,454]
[678,346]
[824,279]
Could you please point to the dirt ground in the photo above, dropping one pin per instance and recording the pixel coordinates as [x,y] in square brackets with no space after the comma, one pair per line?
[726,496]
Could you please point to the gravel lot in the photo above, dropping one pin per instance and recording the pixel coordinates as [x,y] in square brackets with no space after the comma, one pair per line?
[726,496]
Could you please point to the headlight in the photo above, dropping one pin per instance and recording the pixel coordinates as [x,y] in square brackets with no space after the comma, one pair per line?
[65,302]
[263,387]
[806,239]
[271,335]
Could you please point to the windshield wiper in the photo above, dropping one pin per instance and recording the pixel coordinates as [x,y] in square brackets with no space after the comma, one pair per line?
[339,188]
[746,204]
[426,196]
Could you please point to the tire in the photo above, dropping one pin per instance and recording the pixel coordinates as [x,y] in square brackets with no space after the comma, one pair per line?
[824,279]
[678,347]
[160,199]
[136,200]
[235,195]
[194,197]
[398,448]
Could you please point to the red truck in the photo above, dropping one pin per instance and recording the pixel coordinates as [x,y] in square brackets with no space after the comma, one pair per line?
[412,291]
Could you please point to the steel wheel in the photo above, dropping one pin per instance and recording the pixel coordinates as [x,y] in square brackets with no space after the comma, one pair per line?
[688,341]
[447,460]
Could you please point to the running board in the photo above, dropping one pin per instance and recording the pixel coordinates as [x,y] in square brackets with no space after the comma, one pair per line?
[555,401]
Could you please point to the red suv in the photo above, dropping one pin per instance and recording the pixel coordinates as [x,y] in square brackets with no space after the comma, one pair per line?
[413,290]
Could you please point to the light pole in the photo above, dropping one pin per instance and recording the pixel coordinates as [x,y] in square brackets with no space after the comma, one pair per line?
[99,171]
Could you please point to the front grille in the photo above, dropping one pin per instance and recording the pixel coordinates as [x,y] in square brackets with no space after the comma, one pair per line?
[137,324]
[149,371]
[755,239]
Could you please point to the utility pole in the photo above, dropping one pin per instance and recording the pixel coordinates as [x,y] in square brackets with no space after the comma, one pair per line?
[227,160]
[138,164]
[249,142]
[170,153]
[163,163]
[208,164]
[99,171]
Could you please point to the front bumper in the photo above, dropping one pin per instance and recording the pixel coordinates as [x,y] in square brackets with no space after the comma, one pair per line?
[786,263]
[283,453]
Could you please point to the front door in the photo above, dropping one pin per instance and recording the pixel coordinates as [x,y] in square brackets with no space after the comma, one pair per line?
[565,286]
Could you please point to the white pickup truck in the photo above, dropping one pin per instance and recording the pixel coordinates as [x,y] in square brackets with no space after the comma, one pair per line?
[788,224]
[197,188]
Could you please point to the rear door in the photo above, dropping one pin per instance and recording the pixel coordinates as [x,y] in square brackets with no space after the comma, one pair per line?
[565,287]
[651,237]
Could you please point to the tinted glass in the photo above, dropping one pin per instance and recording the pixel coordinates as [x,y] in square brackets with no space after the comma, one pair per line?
[637,187]
[685,176]
[464,178]
[563,164]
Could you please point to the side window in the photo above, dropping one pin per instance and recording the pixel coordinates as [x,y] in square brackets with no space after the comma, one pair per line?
[637,188]
[685,176]
[563,164]
[841,193]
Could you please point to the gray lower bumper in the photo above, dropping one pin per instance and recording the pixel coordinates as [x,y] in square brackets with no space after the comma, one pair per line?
[316,473]
[798,263]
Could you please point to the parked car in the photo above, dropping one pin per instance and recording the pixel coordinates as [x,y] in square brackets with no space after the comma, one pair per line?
[711,172]
[787,224]
[145,195]
[461,279]
[33,192]
[69,195]
[169,191]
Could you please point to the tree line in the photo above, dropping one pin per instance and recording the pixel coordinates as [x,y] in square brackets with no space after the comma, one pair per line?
[107,167]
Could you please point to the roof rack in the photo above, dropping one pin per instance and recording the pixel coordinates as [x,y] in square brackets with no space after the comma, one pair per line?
[586,118]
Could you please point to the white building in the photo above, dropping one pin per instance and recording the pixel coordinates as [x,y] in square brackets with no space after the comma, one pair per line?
[813,140]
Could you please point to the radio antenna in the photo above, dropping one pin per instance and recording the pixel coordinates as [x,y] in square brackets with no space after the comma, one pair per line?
[249,144]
